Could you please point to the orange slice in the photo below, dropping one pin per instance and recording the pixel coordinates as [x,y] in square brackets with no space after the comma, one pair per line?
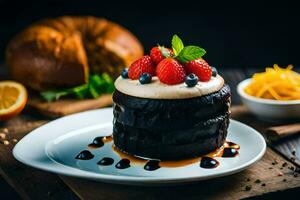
[13,98]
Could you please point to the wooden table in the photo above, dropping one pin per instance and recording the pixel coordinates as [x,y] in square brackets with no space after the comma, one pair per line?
[271,177]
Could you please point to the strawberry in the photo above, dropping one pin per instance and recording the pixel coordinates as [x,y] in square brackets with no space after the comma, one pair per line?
[141,65]
[170,71]
[156,54]
[199,67]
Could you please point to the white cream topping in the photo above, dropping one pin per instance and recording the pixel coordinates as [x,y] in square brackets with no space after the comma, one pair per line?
[159,90]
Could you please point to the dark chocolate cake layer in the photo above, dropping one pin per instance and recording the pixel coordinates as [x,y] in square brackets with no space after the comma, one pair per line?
[172,145]
[163,114]
[171,129]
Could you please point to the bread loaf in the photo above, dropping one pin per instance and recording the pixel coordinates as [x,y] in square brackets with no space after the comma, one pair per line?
[61,52]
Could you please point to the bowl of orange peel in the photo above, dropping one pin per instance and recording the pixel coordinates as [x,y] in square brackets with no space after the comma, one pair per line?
[272,94]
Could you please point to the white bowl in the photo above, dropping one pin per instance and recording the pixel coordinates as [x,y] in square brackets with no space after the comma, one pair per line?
[267,108]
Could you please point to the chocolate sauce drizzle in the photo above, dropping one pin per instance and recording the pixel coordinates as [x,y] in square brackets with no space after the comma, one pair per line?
[97,143]
[208,163]
[100,141]
[229,150]
[123,164]
[106,161]
[85,155]
[152,165]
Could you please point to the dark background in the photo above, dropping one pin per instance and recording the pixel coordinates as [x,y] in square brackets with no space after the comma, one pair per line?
[243,34]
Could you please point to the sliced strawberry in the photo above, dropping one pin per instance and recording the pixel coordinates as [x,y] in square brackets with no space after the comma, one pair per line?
[141,65]
[156,54]
[170,71]
[199,67]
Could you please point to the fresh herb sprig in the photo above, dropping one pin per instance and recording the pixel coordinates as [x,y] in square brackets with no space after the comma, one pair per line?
[97,85]
[183,53]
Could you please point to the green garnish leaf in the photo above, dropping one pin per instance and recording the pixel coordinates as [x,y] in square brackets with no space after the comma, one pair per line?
[190,53]
[81,92]
[53,95]
[98,85]
[93,91]
[177,45]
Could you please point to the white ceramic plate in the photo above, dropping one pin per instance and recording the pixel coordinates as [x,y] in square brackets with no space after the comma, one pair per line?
[54,146]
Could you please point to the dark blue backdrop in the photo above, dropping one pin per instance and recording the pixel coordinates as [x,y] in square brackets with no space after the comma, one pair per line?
[243,34]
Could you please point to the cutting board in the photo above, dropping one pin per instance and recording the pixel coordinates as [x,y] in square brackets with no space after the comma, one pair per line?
[65,107]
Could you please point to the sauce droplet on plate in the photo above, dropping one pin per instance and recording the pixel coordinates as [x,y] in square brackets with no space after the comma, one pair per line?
[85,155]
[230,152]
[106,161]
[100,141]
[123,164]
[208,163]
[152,165]
[97,143]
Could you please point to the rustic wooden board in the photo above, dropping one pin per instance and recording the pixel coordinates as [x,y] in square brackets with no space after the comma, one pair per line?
[68,106]
[285,146]
[8,192]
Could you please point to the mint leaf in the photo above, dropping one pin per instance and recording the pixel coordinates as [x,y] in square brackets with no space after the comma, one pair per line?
[93,91]
[177,44]
[81,91]
[164,52]
[98,84]
[53,95]
[103,84]
[190,53]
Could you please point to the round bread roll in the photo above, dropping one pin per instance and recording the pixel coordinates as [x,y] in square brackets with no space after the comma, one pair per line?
[61,52]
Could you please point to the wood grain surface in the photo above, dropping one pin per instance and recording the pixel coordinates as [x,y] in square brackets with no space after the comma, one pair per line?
[288,147]
[67,106]
[30,183]
[276,133]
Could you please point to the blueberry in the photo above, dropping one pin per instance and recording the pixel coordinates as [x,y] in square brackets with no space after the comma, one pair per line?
[214,71]
[191,80]
[145,78]
[124,73]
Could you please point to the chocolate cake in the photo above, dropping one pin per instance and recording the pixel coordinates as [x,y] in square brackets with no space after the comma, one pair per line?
[170,105]
[170,122]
